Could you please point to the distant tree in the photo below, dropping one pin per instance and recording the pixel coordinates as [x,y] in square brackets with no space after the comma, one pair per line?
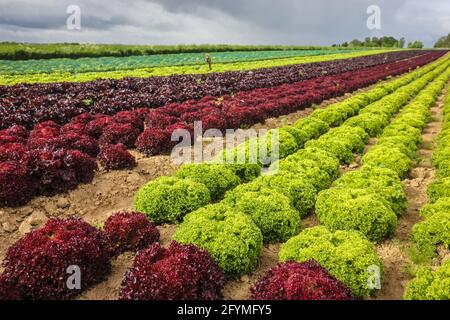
[415,45]
[356,43]
[443,42]
[376,42]
[385,42]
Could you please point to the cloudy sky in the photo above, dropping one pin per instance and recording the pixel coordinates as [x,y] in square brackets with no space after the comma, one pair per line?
[318,22]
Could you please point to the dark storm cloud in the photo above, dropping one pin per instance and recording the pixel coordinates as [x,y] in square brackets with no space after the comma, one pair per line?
[222,21]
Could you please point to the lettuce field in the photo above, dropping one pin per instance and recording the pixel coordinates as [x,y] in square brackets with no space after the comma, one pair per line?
[354,203]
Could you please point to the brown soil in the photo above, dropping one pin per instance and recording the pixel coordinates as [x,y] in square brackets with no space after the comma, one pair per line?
[113,191]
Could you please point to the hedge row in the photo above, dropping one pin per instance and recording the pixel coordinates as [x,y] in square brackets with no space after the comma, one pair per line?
[370,199]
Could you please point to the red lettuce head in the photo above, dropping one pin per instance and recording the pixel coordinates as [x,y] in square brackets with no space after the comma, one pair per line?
[47,130]
[130,231]
[37,265]
[154,141]
[83,165]
[119,133]
[7,289]
[299,281]
[116,157]
[129,117]
[16,131]
[12,151]
[95,127]
[5,139]
[69,141]
[74,127]
[180,272]
[83,118]
[16,185]
[60,170]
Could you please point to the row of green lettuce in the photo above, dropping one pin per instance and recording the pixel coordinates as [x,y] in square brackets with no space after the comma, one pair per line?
[370,199]
[268,208]
[173,70]
[102,64]
[361,206]
[435,229]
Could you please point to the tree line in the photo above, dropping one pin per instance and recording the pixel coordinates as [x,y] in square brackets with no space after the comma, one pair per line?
[443,42]
[381,42]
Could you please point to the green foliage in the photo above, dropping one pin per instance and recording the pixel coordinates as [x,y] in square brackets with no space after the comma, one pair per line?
[149,66]
[244,170]
[168,199]
[312,127]
[270,210]
[19,51]
[262,150]
[332,116]
[232,238]
[356,209]
[415,45]
[354,138]
[388,157]
[385,186]
[443,169]
[285,142]
[384,42]
[335,146]
[300,191]
[299,135]
[308,170]
[412,119]
[439,188]
[441,155]
[217,178]
[371,123]
[441,205]
[376,94]
[433,231]
[347,255]
[443,42]
[404,130]
[430,285]
[403,143]
[325,160]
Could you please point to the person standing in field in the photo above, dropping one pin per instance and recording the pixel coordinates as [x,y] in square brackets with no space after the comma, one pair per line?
[208,60]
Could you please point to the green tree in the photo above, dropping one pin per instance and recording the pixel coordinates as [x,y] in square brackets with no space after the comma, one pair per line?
[356,43]
[443,42]
[415,45]
[401,42]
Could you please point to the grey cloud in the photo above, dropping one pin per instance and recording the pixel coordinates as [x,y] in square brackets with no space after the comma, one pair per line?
[319,22]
